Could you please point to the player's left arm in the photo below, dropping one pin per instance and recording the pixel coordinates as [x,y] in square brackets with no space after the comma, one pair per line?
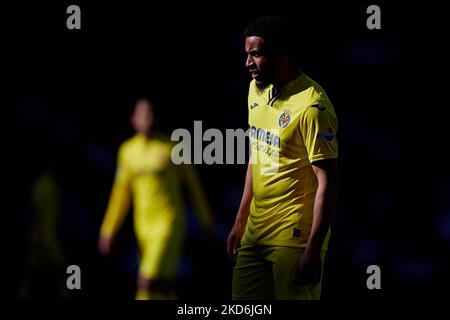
[325,201]
[310,264]
[319,127]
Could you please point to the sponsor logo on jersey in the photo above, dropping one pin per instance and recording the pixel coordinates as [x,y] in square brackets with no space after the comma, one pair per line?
[265,136]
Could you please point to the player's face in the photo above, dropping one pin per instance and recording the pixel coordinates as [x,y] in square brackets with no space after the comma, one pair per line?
[143,118]
[261,63]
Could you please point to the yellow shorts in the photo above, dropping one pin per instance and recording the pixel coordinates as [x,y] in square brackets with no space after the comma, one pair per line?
[266,273]
[160,254]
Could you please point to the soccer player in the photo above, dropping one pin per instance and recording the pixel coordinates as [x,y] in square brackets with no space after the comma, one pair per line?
[146,174]
[281,232]
[45,267]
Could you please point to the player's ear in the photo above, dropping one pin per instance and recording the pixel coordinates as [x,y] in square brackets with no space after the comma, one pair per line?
[285,56]
[280,56]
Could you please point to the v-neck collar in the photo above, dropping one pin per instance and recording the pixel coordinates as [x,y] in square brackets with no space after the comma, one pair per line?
[288,87]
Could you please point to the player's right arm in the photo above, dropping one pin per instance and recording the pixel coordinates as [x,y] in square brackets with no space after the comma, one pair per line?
[235,236]
[118,206]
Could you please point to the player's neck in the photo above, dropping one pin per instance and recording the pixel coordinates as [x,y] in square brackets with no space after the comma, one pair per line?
[286,75]
[145,135]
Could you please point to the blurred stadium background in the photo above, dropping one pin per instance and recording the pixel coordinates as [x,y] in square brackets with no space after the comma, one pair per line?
[66,98]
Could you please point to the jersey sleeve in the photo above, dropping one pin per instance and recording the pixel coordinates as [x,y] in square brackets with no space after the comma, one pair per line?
[193,183]
[120,199]
[318,126]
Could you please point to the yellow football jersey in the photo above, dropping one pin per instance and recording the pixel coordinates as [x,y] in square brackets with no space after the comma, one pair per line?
[146,175]
[289,130]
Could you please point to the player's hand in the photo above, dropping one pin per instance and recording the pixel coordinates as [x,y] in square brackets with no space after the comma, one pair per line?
[309,268]
[105,245]
[234,238]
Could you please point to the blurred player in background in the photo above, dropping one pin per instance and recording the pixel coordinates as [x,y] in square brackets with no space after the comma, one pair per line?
[282,226]
[147,177]
[45,265]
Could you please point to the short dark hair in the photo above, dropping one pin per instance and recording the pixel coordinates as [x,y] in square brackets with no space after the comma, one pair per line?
[276,32]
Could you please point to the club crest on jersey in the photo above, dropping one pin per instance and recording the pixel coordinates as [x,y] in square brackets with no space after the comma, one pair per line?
[284,120]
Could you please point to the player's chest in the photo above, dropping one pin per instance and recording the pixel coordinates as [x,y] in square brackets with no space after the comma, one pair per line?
[277,117]
[149,159]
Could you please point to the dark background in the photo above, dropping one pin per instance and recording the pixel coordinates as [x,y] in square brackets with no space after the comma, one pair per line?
[66,97]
